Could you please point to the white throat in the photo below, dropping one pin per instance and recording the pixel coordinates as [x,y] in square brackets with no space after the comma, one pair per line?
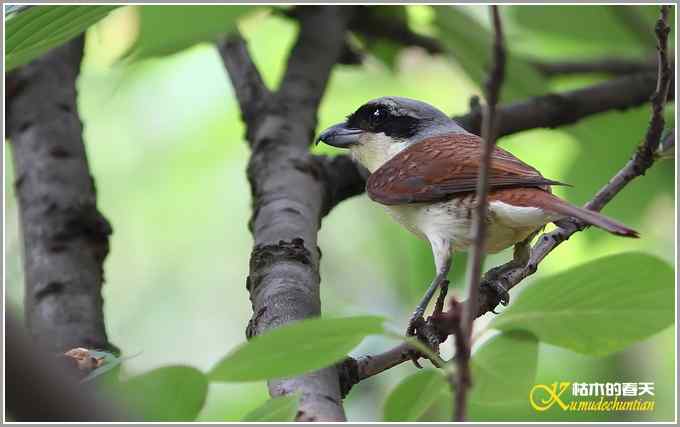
[375,149]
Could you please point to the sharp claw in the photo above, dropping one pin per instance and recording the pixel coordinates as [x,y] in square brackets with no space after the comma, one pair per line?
[499,289]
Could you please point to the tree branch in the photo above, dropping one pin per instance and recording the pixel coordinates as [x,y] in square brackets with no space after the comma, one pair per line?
[290,191]
[249,88]
[370,22]
[65,237]
[560,109]
[479,224]
[642,159]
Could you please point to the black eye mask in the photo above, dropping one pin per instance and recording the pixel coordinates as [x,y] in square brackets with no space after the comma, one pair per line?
[381,119]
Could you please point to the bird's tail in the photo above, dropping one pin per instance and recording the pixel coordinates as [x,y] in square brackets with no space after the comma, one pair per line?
[554,204]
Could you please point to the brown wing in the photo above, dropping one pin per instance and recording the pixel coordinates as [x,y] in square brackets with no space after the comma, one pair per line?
[439,167]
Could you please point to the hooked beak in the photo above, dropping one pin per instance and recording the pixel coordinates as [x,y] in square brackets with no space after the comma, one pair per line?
[340,136]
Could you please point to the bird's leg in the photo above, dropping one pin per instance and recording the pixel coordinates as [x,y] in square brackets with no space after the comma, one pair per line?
[441,250]
[417,315]
[520,258]
[441,299]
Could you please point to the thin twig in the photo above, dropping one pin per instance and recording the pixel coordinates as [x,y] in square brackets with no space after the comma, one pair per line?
[642,159]
[493,88]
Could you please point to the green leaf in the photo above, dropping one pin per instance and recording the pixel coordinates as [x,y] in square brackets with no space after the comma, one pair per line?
[503,372]
[469,44]
[296,348]
[282,409]
[164,30]
[599,307]
[174,393]
[416,395]
[34,31]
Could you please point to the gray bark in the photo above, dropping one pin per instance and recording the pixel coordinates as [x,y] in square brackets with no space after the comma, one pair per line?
[290,191]
[65,237]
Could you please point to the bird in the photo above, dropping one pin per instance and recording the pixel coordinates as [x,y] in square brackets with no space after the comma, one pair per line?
[423,169]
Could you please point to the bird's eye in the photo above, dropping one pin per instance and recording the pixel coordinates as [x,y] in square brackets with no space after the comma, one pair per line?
[378,116]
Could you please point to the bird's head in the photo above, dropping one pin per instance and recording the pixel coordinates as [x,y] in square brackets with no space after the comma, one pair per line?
[383,127]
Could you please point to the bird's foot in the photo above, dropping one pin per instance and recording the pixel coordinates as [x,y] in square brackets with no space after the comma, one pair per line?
[414,325]
[497,287]
[414,322]
[425,332]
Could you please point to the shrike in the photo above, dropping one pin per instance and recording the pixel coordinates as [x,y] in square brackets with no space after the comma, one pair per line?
[424,170]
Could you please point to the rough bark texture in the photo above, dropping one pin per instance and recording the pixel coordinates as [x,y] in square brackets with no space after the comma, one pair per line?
[290,192]
[65,237]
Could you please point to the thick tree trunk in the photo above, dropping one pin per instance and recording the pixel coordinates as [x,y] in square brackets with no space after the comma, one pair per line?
[65,237]
[291,191]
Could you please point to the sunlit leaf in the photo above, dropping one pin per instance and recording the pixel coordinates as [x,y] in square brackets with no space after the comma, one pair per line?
[174,393]
[296,348]
[34,31]
[599,307]
[281,409]
[164,30]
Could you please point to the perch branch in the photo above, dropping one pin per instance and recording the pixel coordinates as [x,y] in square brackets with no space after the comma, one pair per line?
[641,160]
[65,237]
[289,191]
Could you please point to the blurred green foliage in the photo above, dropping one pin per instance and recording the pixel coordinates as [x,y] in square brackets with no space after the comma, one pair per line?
[164,141]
